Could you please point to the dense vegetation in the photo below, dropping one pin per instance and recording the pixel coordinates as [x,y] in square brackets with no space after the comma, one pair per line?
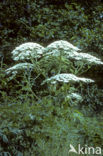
[79,22]
[36,118]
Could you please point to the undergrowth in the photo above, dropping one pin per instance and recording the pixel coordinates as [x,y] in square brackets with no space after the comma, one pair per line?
[40,120]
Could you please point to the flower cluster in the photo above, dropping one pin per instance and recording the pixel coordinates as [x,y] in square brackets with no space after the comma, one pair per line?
[66,78]
[61,47]
[27,51]
[75,96]
[20,66]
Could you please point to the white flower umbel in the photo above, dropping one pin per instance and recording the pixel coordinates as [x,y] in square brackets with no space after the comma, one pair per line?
[58,48]
[75,96]
[66,78]
[85,58]
[63,45]
[65,48]
[27,51]
[19,67]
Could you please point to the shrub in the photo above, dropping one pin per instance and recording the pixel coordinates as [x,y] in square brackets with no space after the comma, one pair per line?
[43,118]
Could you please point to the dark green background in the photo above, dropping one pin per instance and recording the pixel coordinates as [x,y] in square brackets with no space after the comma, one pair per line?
[44,21]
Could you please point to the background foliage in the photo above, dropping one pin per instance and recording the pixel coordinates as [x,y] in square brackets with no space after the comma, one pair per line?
[79,22]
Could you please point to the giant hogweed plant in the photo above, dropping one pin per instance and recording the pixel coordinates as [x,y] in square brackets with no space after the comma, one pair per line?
[41,115]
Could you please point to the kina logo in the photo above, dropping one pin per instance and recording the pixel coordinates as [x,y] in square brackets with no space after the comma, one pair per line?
[72,149]
[85,150]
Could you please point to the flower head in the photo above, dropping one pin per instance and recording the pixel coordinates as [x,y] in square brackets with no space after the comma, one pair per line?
[27,51]
[66,78]
[65,48]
